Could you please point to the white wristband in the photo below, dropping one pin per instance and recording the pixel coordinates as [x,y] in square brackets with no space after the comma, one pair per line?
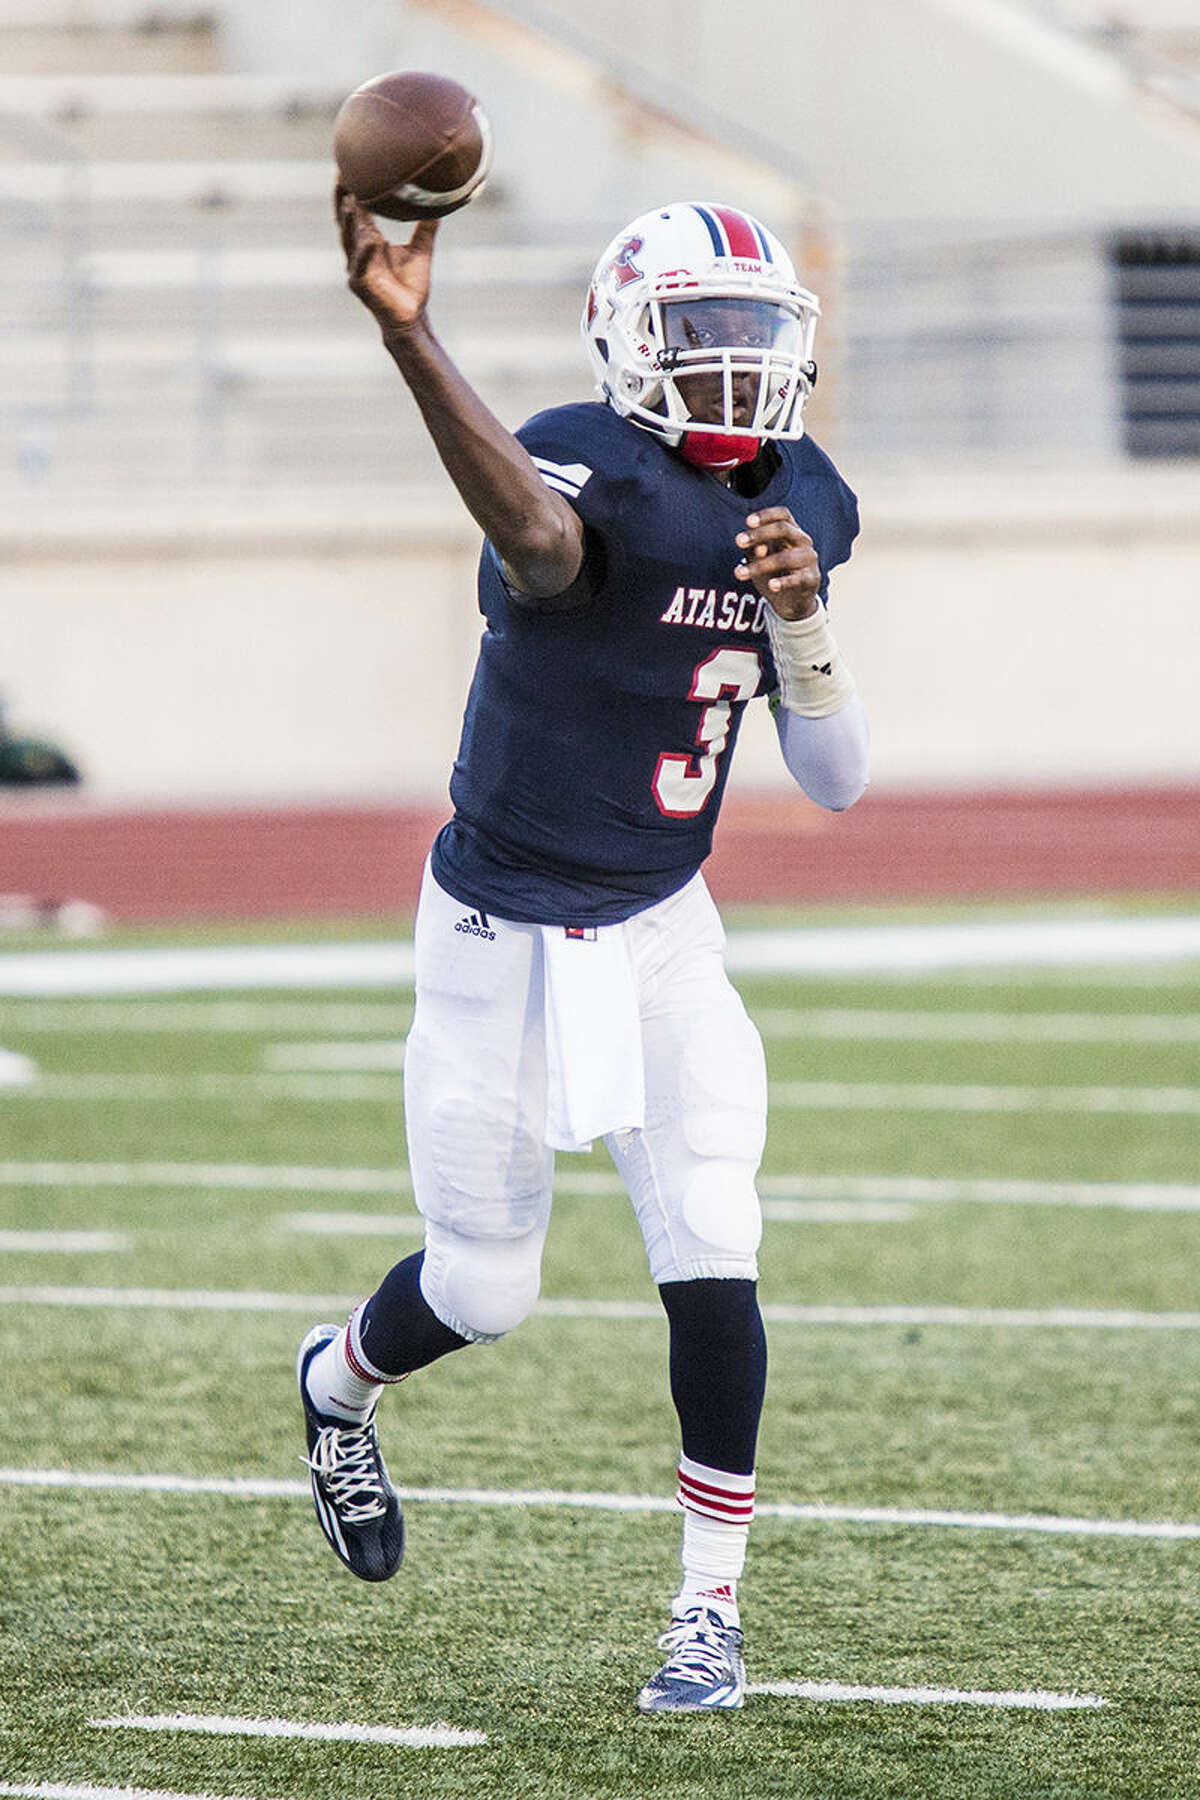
[813,679]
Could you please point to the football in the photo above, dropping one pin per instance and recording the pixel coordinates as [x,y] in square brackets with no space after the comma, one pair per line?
[412,146]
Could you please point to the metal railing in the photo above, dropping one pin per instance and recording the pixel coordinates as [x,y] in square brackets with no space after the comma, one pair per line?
[47,242]
[155,338]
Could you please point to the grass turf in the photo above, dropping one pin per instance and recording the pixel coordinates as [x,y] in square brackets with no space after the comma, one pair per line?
[537,1625]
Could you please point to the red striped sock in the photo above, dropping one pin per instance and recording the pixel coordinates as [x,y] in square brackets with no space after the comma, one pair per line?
[715,1493]
[717,1509]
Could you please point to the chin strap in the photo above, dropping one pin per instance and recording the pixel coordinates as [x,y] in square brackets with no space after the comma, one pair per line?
[713,450]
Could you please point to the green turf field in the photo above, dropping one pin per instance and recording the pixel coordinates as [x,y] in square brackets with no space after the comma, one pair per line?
[1010,1335]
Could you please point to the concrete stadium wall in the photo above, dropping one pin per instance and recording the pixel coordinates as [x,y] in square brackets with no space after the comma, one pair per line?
[914,110]
[1025,631]
[1003,632]
[909,109]
[234,659]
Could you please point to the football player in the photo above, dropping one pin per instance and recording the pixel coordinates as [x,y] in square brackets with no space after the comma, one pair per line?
[652,562]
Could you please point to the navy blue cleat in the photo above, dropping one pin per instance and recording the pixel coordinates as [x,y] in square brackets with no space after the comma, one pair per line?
[356,1504]
[704,1672]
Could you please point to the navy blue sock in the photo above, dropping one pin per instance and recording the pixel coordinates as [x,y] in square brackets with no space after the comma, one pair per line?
[718,1369]
[398,1329]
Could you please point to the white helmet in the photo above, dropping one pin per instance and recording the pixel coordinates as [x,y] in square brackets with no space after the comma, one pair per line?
[690,290]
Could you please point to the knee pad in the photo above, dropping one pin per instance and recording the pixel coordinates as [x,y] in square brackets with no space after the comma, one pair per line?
[722,1215]
[699,1215]
[481,1287]
[717,1230]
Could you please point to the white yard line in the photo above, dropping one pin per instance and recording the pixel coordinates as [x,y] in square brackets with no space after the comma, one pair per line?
[838,1212]
[950,1519]
[71,1017]
[256,1300]
[361,1055]
[70,1790]
[367,1055]
[836,1691]
[353,1224]
[1024,944]
[105,1481]
[864,1025]
[402,1737]
[1121,1196]
[139,1088]
[264,1177]
[1059,1318]
[962,1096]
[365,1018]
[791,1212]
[16,1071]
[777,1190]
[71,1243]
[180,969]
[252,1300]
[827,1096]
[815,1513]
[1014,1318]
[848,1024]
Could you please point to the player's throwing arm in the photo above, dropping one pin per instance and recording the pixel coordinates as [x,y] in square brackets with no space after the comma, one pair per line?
[536,533]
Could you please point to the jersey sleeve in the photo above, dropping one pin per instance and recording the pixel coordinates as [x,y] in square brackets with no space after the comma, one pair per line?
[841,527]
[577,453]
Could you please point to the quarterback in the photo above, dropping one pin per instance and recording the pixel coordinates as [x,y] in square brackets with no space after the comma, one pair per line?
[653,561]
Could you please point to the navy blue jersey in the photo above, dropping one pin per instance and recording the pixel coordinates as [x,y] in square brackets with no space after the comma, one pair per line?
[597,739]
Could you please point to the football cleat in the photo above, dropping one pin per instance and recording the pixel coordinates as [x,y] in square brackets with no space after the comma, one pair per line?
[704,1670]
[356,1504]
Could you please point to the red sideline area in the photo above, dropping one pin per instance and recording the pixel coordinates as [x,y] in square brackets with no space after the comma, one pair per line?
[200,863]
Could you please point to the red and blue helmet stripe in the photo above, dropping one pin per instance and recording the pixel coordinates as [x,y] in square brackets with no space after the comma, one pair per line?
[735,234]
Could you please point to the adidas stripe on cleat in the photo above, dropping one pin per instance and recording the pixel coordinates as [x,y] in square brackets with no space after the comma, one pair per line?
[357,1508]
[704,1672]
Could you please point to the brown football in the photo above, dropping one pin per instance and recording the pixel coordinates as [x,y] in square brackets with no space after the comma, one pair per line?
[412,146]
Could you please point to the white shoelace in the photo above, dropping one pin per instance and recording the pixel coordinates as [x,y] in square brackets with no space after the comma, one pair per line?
[701,1653]
[344,1459]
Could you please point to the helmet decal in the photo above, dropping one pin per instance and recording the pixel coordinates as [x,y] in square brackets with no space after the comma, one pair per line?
[623,266]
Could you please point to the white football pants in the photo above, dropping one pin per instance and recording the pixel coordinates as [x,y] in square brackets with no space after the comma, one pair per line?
[672,1076]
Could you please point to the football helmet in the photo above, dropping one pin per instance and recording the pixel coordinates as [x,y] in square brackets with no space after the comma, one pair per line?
[698,331]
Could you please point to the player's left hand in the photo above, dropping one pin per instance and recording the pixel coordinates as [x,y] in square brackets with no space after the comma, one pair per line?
[780,560]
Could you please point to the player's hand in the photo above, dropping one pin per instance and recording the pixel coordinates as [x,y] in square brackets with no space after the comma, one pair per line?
[779,558]
[391,280]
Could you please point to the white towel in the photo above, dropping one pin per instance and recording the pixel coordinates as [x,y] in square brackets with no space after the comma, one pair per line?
[595,1079]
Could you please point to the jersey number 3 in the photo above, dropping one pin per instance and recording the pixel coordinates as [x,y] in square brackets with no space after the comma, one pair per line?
[682,784]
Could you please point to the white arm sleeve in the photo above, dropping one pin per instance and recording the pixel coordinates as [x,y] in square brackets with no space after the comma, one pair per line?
[827,756]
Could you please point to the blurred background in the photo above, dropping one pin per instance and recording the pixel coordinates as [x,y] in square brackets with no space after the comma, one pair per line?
[237,613]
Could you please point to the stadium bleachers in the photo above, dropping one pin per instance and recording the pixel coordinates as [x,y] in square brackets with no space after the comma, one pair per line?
[173,306]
